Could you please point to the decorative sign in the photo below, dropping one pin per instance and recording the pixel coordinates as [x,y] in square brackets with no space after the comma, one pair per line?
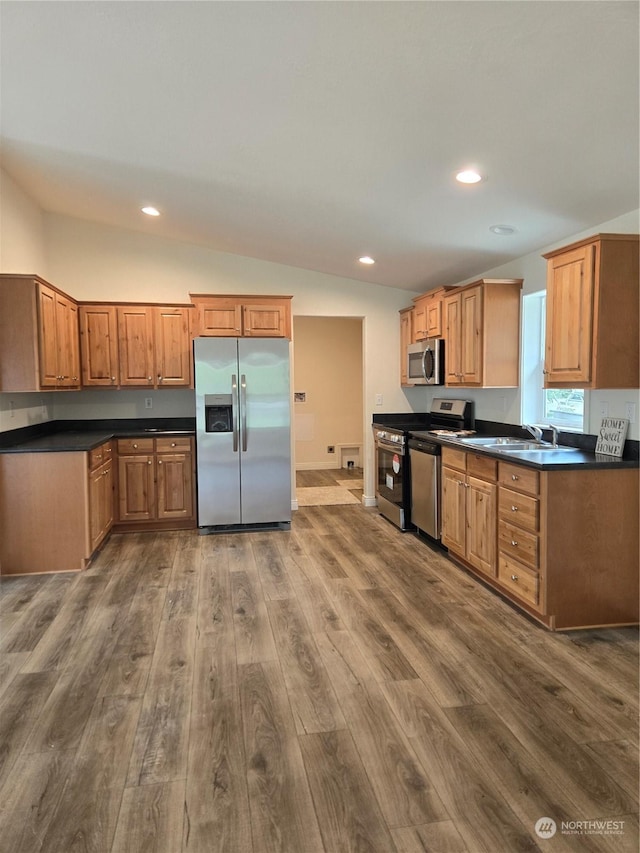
[613,432]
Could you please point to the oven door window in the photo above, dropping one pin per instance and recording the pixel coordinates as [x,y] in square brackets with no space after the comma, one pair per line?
[390,475]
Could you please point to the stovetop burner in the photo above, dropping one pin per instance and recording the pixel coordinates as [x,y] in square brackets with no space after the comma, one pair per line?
[446,432]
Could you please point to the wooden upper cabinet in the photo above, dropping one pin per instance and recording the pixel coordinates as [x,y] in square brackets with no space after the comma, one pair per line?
[39,341]
[136,345]
[406,338]
[592,328]
[172,337]
[242,316]
[482,331]
[428,314]
[99,345]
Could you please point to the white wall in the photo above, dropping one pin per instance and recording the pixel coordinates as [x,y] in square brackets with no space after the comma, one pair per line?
[22,250]
[327,368]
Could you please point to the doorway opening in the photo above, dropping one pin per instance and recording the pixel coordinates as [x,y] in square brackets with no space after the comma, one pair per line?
[328,409]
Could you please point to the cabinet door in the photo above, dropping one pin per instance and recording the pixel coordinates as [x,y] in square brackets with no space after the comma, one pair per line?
[172,341]
[264,321]
[568,336]
[471,336]
[420,321]
[406,337]
[49,372]
[174,485]
[136,488]
[454,510]
[100,503]
[220,316]
[68,346]
[99,345]
[135,345]
[434,318]
[482,525]
[452,318]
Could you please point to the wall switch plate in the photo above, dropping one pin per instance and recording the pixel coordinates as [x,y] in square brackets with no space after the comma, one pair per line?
[378,399]
[604,409]
[148,402]
[630,412]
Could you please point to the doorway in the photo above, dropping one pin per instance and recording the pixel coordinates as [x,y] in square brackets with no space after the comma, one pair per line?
[328,409]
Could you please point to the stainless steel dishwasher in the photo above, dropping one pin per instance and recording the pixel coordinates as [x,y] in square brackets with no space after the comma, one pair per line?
[425,486]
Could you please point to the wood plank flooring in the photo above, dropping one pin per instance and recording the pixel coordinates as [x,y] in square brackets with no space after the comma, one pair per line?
[337,687]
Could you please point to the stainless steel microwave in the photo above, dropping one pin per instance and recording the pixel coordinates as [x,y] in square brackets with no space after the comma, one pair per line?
[425,362]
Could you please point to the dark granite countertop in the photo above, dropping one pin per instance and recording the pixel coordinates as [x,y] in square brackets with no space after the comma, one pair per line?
[541,460]
[77,436]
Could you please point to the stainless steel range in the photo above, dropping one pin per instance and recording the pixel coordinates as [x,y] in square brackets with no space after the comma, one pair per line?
[393,484]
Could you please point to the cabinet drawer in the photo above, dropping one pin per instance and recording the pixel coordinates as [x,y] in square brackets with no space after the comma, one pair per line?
[177,444]
[519,478]
[454,458]
[515,542]
[135,445]
[482,466]
[519,579]
[99,455]
[515,508]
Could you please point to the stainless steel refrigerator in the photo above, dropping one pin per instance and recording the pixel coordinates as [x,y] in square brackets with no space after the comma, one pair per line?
[243,431]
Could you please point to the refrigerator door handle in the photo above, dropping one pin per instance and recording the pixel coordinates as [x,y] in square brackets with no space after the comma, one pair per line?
[234,411]
[243,400]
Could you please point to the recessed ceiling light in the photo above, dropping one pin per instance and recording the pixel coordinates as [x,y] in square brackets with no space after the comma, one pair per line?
[468,176]
[366,260]
[503,230]
[151,211]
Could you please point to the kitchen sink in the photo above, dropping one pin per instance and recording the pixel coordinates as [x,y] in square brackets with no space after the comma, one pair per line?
[506,444]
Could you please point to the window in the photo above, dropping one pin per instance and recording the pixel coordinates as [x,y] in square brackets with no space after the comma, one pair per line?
[562,407]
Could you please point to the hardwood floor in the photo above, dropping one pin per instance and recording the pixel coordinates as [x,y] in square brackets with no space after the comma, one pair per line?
[337,687]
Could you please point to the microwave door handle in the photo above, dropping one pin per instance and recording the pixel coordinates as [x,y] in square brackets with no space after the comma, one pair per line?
[424,365]
[243,395]
[234,411]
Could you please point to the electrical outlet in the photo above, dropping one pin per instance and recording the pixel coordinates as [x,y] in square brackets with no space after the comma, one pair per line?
[630,412]
[604,409]
[331,449]
[378,399]
[148,402]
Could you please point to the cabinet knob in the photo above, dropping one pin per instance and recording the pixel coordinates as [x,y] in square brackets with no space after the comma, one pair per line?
[514,543]
[135,446]
[159,378]
[173,444]
[113,378]
[75,378]
[514,509]
[514,578]
[150,378]
[515,477]
[159,462]
[149,462]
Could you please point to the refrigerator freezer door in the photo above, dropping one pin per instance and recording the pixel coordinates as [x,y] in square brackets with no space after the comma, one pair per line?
[216,364]
[265,430]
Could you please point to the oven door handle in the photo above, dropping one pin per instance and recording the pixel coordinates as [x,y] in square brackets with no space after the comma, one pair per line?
[395,448]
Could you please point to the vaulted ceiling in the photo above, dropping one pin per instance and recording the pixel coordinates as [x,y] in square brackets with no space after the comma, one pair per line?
[312,133]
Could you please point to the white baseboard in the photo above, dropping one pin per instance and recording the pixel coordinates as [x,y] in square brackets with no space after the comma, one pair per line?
[369,500]
[317,466]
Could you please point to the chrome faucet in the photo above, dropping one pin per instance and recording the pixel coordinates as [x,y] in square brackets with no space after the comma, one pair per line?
[535,431]
[554,434]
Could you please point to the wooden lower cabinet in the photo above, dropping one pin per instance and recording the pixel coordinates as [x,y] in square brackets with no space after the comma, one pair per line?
[155,483]
[55,509]
[101,483]
[469,508]
[562,544]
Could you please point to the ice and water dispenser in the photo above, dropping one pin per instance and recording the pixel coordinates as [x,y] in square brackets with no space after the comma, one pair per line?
[218,413]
